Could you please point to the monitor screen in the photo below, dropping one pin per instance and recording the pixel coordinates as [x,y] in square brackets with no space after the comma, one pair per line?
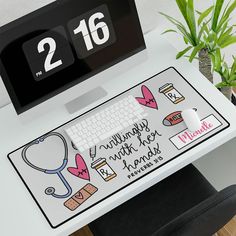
[63,44]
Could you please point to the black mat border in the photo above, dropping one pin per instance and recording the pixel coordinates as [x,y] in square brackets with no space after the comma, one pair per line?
[171,67]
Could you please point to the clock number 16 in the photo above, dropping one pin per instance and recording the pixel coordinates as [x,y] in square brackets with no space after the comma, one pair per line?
[92,30]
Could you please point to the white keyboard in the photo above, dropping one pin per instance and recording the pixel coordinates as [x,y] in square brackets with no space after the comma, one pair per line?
[113,119]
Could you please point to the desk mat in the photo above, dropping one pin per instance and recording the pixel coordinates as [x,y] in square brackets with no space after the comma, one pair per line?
[81,180]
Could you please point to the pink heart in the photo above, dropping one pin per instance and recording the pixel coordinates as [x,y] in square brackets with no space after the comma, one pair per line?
[148,99]
[81,170]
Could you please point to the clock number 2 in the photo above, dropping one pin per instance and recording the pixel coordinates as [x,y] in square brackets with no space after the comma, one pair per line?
[93,30]
[48,65]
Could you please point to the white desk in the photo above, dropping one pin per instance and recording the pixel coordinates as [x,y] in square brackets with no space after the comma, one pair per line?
[19,215]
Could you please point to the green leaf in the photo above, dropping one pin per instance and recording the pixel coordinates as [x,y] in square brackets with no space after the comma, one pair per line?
[233,69]
[191,20]
[172,20]
[211,40]
[187,9]
[196,58]
[213,60]
[186,34]
[204,14]
[182,4]
[221,85]
[202,30]
[224,27]
[218,60]
[226,72]
[180,54]
[180,27]
[230,9]
[223,21]
[211,36]
[199,12]
[229,41]
[232,78]
[170,31]
[232,84]
[186,40]
[195,51]
[225,36]
[226,8]
[220,25]
[217,10]
[226,14]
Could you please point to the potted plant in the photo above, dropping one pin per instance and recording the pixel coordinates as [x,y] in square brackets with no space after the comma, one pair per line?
[227,74]
[203,36]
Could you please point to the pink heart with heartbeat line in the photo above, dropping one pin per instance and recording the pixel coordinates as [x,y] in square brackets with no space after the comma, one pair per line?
[148,99]
[81,170]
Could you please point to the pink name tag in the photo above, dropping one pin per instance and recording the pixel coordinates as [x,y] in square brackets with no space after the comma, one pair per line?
[186,137]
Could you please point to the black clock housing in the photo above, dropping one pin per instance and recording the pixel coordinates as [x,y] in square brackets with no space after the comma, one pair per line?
[63,44]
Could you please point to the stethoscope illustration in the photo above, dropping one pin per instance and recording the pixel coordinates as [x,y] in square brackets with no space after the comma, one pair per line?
[51,190]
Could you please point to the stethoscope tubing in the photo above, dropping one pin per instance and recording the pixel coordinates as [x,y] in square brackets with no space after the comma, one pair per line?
[54,171]
[38,141]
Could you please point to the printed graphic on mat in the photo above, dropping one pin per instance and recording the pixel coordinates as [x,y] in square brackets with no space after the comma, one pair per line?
[82,181]
[173,119]
[74,147]
[103,169]
[93,152]
[80,197]
[172,93]
[186,137]
[81,169]
[148,99]
[57,171]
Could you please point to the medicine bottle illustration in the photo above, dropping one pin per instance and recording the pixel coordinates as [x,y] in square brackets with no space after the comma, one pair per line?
[103,168]
[172,93]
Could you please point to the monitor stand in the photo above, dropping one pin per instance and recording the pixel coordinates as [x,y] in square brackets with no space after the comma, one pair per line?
[97,92]
[86,99]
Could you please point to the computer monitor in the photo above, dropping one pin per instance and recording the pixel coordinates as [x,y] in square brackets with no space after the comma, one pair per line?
[56,53]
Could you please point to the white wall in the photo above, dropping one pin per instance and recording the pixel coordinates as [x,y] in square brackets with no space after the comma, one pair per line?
[148,10]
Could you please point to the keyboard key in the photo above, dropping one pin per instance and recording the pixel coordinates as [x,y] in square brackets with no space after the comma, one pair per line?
[111,132]
[102,125]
